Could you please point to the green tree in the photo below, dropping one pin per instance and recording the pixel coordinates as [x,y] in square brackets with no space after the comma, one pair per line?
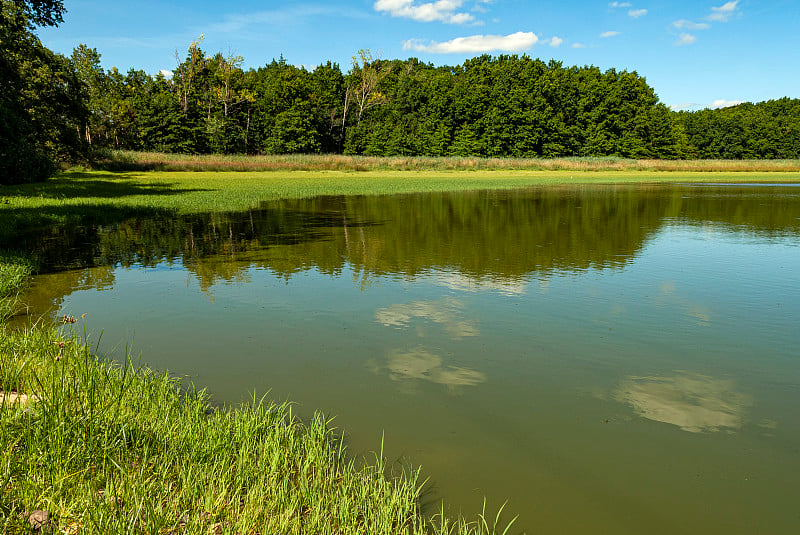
[41,105]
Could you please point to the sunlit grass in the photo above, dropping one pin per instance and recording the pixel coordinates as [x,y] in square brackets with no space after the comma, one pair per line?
[194,190]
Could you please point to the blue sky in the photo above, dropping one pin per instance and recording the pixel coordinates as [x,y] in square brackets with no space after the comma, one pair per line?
[695,54]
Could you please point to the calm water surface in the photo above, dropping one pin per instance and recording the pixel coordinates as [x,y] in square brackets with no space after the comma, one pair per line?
[607,359]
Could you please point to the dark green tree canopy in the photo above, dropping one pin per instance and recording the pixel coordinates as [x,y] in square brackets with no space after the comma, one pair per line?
[33,12]
[41,101]
[54,109]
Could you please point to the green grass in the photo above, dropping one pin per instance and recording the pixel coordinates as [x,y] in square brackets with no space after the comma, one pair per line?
[15,268]
[14,271]
[118,449]
[204,191]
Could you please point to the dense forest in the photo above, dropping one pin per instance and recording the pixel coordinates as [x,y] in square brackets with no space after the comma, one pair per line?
[57,109]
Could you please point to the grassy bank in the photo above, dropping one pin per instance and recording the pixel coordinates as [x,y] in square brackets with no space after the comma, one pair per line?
[78,194]
[155,161]
[110,449]
[15,268]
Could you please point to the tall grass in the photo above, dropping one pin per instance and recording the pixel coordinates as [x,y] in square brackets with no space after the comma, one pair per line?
[119,449]
[15,268]
[154,161]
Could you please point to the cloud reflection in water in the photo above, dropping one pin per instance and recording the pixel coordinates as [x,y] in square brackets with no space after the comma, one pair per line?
[464,283]
[693,402]
[424,365]
[445,312]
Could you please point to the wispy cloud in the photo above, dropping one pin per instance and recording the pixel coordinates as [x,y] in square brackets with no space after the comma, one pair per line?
[236,22]
[476,44]
[448,11]
[724,12]
[636,13]
[578,45]
[606,35]
[684,24]
[722,103]
[556,41]
[619,5]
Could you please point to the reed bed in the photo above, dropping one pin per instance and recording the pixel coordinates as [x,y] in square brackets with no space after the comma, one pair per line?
[154,161]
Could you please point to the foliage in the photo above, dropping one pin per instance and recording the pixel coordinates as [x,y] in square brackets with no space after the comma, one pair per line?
[747,131]
[505,106]
[41,102]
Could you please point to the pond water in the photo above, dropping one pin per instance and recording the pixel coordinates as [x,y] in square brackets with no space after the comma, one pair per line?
[604,359]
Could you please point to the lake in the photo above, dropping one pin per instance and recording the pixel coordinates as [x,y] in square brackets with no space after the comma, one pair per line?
[606,359]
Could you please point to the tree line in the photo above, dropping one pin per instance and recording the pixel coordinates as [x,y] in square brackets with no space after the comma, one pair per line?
[54,108]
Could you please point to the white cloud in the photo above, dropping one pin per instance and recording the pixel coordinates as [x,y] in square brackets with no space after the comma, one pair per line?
[683,106]
[636,13]
[722,103]
[684,24]
[440,10]
[606,35]
[166,73]
[515,42]
[723,12]
[556,41]
[620,4]
[578,45]
[685,39]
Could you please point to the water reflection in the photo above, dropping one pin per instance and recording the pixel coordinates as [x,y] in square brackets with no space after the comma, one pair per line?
[421,364]
[464,283]
[698,313]
[446,312]
[514,301]
[491,240]
[693,402]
